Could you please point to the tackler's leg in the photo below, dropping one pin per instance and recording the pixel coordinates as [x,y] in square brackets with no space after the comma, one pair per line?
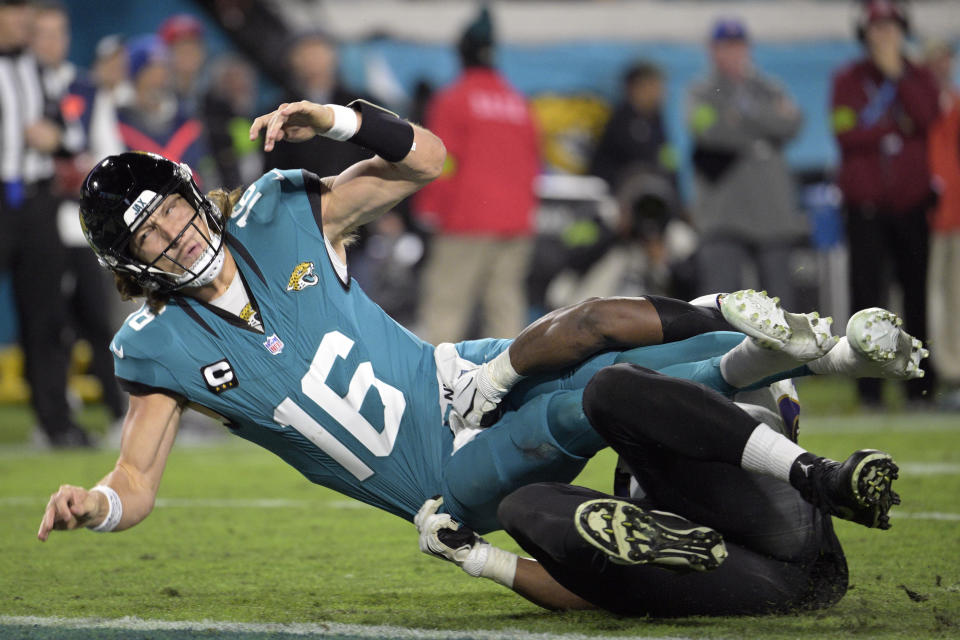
[635,408]
[546,519]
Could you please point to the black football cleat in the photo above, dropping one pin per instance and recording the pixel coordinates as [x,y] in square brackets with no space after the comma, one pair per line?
[859,489]
[631,535]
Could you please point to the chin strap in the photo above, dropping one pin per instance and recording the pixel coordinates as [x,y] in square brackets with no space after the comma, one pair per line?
[209,265]
[211,261]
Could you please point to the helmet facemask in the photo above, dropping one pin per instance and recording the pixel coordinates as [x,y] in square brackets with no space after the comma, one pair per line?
[151,277]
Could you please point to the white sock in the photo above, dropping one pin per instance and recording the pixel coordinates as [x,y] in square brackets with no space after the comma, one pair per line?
[770,453]
[748,362]
[709,301]
[841,359]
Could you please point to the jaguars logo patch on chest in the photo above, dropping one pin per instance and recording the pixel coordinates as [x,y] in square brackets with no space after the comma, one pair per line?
[302,277]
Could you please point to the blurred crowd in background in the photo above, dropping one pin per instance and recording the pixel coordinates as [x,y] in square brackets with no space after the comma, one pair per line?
[522,220]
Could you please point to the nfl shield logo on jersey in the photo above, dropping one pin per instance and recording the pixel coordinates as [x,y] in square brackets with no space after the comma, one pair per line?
[274,344]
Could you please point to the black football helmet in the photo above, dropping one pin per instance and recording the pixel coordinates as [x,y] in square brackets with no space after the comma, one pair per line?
[121,193]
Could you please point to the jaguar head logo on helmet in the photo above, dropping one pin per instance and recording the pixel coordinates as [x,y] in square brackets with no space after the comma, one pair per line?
[130,213]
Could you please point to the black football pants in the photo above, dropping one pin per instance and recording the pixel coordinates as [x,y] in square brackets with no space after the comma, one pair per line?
[32,251]
[89,306]
[898,244]
[783,554]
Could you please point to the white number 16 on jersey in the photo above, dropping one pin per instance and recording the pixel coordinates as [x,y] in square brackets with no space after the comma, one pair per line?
[344,409]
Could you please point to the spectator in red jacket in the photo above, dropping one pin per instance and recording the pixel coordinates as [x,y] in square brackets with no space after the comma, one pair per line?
[482,207]
[882,109]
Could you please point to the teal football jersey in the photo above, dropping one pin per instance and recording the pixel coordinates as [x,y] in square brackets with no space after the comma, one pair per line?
[333,385]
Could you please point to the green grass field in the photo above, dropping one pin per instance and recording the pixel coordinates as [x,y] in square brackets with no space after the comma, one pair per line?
[239,537]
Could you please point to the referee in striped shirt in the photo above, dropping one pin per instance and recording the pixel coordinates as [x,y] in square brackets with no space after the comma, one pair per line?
[30,247]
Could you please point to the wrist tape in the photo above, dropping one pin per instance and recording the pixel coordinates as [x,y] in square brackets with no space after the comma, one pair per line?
[114,509]
[501,567]
[487,561]
[497,377]
[345,123]
[382,132]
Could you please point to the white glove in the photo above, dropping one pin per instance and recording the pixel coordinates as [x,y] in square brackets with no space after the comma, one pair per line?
[474,399]
[440,536]
[444,538]
[475,407]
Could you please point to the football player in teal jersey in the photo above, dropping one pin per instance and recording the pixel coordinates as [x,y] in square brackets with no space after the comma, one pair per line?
[250,315]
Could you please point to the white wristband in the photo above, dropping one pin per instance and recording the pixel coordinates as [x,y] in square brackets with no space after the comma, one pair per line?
[345,123]
[500,566]
[497,377]
[114,509]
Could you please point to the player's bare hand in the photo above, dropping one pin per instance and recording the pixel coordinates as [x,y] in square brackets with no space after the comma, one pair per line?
[70,507]
[294,122]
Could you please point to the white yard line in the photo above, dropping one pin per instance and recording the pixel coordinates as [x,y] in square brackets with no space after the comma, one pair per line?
[219,503]
[321,629]
[315,505]
[819,424]
[897,423]
[927,515]
[929,468]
